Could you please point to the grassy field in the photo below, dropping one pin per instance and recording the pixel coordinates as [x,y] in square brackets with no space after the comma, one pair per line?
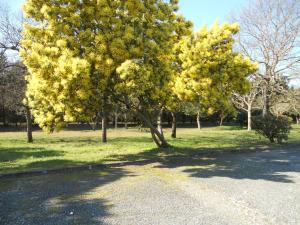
[73,148]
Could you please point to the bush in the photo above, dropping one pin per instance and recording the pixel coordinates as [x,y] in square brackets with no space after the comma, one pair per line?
[272,127]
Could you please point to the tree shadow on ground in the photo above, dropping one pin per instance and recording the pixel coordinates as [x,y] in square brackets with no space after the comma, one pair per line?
[67,198]
[264,164]
[93,140]
[144,139]
[271,166]
[15,153]
[172,151]
[67,140]
[49,164]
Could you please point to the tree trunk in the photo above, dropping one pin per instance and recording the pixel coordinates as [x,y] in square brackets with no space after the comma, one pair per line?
[154,138]
[198,120]
[116,120]
[157,137]
[298,119]
[104,120]
[249,118]
[159,121]
[174,125]
[3,109]
[104,128]
[91,125]
[162,141]
[4,116]
[266,101]
[221,121]
[125,121]
[94,125]
[28,125]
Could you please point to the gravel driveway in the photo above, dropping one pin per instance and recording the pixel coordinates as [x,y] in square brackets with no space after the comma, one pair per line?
[230,188]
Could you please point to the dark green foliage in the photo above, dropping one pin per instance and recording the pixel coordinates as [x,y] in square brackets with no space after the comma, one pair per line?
[275,128]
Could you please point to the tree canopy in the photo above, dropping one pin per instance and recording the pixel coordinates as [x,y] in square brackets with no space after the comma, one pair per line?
[73,50]
[211,70]
[82,54]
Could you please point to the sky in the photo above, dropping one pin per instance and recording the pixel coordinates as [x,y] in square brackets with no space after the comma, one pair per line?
[200,12]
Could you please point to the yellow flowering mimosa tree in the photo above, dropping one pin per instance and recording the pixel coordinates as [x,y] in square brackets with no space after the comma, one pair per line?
[211,69]
[81,53]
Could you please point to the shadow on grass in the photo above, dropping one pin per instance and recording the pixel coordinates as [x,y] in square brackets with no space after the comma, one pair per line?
[48,164]
[93,140]
[67,140]
[194,147]
[15,153]
[235,142]
[57,199]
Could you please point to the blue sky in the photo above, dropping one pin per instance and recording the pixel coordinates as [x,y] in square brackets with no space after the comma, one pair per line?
[200,12]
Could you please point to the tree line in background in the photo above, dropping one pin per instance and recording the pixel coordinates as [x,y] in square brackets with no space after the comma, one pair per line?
[136,60]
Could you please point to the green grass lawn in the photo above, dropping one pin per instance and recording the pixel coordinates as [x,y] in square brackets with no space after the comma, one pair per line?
[73,148]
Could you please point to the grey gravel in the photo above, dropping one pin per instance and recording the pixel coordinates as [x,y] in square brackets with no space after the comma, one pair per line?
[235,188]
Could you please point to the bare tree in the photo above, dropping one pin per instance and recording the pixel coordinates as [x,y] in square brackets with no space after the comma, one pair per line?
[280,108]
[270,35]
[12,88]
[289,104]
[10,30]
[3,64]
[246,102]
[10,36]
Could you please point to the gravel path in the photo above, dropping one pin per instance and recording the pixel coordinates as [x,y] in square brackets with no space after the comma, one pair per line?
[235,188]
